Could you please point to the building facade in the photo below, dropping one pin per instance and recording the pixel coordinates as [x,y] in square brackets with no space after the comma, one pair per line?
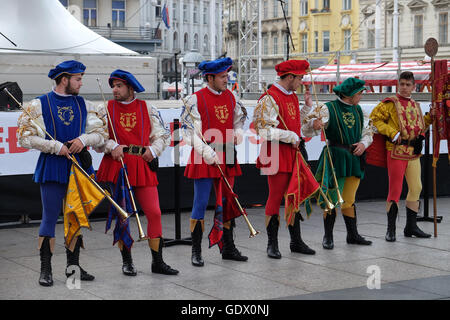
[418,21]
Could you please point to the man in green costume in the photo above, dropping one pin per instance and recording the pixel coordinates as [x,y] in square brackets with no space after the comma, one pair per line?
[349,133]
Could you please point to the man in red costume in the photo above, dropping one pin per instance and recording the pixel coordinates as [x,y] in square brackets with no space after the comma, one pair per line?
[141,137]
[277,119]
[215,113]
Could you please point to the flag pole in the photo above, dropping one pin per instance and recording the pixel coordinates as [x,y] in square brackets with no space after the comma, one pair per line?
[74,161]
[133,203]
[433,105]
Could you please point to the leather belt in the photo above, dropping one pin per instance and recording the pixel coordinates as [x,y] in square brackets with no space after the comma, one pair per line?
[348,147]
[134,150]
[410,143]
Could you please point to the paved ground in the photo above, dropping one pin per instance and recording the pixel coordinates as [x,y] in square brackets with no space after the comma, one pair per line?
[409,268]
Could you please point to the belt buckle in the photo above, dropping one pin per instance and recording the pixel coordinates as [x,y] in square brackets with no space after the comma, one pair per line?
[132,149]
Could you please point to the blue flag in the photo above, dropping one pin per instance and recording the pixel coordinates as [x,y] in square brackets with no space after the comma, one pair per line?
[165,16]
[122,198]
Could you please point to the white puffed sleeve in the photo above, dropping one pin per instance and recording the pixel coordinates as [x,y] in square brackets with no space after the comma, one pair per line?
[367,132]
[320,112]
[240,115]
[265,120]
[30,130]
[191,128]
[96,132]
[160,135]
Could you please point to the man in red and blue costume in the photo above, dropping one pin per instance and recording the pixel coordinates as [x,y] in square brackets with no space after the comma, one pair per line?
[141,138]
[215,114]
[74,123]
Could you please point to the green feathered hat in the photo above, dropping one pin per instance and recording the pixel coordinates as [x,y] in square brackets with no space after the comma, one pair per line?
[350,87]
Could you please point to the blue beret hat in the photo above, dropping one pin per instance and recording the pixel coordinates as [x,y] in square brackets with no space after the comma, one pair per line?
[126,77]
[215,66]
[350,87]
[69,67]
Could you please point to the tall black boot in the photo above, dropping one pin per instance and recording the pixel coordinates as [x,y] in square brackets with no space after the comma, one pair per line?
[353,237]
[158,264]
[46,277]
[128,268]
[297,244]
[196,235]
[328,223]
[391,218]
[73,259]
[229,250]
[411,228]
[272,225]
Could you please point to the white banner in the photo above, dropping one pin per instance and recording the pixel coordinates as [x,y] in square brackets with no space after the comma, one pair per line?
[15,160]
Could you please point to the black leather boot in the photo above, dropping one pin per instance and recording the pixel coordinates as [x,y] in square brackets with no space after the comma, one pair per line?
[353,237]
[391,218]
[196,236]
[158,264]
[229,250]
[411,228]
[272,236]
[73,259]
[297,244]
[46,277]
[128,268]
[328,223]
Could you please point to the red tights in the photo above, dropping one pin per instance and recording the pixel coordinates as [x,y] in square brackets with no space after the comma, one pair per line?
[278,184]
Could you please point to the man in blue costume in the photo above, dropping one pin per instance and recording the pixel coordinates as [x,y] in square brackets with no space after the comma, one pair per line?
[74,123]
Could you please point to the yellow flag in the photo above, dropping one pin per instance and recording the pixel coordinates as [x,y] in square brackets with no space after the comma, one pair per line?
[82,198]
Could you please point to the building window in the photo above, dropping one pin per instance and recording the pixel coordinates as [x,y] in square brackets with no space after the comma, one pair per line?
[418,30]
[158,10]
[196,41]
[175,41]
[174,11]
[304,43]
[118,13]
[206,45]
[316,41]
[205,14]
[185,13]
[195,14]
[90,13]
[304,7]
[326,4]
[326,41]
[186,42]
[265,46]
[65,3]
[275,8]
[266,9]
[346,4]
[370,38]
[347,40]
[285,43]
[443,28]
[275,45]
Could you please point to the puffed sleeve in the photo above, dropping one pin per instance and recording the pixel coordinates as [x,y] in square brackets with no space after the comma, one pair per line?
[31,128]
[367,131]
[191,126]
[96,132]
[380,116]
[319,112]
[160,135]
[240,115]
[265,120]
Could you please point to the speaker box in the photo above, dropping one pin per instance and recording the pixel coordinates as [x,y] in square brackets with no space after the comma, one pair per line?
[6,102]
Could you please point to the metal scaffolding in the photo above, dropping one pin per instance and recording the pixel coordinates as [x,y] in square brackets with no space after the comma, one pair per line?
[249,45]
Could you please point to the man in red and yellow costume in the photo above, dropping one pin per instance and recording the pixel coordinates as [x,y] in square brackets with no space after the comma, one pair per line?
[277,119]
[399,119]
[141,137]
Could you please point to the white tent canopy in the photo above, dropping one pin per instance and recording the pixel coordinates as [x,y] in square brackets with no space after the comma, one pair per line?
[46,26]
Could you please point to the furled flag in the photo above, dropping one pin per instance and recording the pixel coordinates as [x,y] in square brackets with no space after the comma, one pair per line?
[439,105]
[324,175]
[165,16]
[302,186]
[81,199]
[226,209]
[122,227]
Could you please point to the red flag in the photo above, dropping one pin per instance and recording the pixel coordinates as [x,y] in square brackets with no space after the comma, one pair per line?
[439,107]
[302,185]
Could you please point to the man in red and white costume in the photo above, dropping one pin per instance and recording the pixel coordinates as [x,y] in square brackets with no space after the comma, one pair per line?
[141,137]
[277,109]
[216,113]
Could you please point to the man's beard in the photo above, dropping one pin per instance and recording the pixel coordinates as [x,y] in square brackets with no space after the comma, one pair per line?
[70,90]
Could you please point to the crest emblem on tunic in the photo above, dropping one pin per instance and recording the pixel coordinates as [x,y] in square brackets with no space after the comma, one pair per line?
[128,120]
[222,113]
[291,110]
[349,119]
[66,114]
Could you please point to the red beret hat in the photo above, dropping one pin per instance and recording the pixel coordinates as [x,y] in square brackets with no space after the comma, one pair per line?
[295,67]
